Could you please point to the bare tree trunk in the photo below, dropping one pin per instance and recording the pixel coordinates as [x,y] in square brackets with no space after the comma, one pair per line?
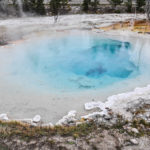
[148,9]
[55,18]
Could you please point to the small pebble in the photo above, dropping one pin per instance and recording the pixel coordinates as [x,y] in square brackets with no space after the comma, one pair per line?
[135,130]
[134,141]
[37,119]
[3,117]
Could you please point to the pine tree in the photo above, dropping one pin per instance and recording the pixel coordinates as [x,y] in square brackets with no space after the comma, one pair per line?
[26,6]
[34,6]
[85,5]
[58,6]
[129,6]
[116,2]
[94,5]
[55,8]
[139,5]
[40,8]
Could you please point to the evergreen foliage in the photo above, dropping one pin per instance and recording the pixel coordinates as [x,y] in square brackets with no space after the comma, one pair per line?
[85,5]
[58,6]
[90,6]
[55,7]
[40,8]
[94,5]
[34,6]
[61,6]
[116,2]
[129,6]
[140,5]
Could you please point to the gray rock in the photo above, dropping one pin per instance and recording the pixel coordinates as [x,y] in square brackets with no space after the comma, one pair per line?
[78,123]
[32,142]
[134,141]
[135,130]
[37,119]
[107,117]
[3,117]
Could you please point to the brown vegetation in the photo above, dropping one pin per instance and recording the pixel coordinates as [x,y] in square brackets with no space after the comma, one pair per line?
[140,26]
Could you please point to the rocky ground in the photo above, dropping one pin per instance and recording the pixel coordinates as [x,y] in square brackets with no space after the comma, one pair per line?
[99,132]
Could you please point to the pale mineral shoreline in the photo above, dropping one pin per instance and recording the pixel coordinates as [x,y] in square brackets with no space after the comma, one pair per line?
[55,108]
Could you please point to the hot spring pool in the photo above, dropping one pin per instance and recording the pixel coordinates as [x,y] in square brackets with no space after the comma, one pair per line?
[52,75]
[73,62]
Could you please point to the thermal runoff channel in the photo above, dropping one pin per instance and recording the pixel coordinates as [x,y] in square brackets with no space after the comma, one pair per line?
[73,62]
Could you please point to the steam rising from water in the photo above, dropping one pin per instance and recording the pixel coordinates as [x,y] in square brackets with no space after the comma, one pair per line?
[7,10]
[73,62]
[19,2]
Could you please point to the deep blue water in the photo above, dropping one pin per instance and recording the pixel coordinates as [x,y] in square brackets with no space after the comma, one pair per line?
[74,62]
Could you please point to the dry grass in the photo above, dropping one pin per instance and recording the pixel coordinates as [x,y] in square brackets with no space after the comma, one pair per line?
[26,131]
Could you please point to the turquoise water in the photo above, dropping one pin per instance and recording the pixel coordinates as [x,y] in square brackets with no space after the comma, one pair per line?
[74,62]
